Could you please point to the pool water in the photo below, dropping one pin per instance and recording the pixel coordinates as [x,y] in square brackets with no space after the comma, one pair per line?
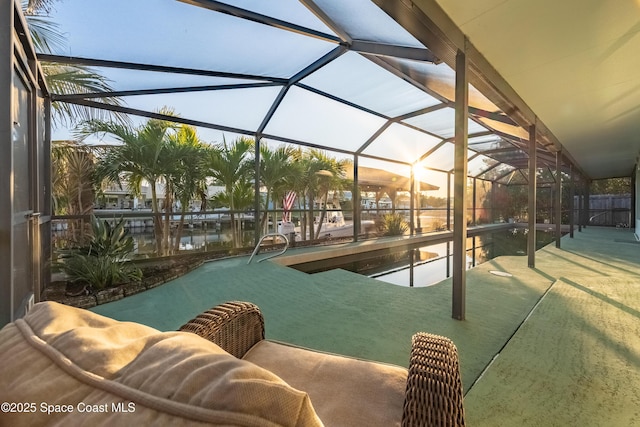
[433,263]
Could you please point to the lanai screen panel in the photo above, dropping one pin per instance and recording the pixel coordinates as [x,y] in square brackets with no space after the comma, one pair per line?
[439,79]
[374,86]
[392,168]
[515,156]
[488,143]
[442,159]
[363,20]
[442,123]
[287,10]
[520,177]
[172,33]
[311,118]
[401,143]
[499,171]
[243,109]
[123,79]
[358,80]
[479,164]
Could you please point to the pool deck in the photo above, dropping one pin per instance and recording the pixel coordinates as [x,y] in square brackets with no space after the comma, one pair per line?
[558,344]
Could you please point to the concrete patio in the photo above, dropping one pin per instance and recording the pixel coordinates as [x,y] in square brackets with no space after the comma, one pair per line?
[554,345]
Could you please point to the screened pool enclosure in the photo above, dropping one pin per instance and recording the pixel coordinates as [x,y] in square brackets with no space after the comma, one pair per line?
[373,82]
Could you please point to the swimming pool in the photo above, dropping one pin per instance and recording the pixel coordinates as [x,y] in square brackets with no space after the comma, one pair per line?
[428,265]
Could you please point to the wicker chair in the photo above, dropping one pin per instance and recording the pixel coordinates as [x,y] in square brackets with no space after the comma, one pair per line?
[433,395]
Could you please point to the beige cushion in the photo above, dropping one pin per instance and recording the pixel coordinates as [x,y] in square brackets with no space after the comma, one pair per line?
[344,391]
[59,355]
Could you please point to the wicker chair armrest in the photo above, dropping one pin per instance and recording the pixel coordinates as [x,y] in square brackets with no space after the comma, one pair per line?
[234,326]
[434,388]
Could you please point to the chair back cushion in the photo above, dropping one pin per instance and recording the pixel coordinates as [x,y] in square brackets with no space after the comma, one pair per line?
[67,366]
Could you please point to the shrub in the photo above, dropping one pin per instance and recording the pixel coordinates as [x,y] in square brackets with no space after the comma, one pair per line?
[394,225]
[438,225]
[103,261]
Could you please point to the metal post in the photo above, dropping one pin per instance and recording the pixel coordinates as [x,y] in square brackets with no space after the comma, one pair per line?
[558,198]
[494,187]
[6,124]
[580,206]
[552,200]
[256,200]
[473,203]
[587,202]
[448,201]
[355,198]
[634,201]
[572,195]
[460,188]
[448,259]
[473,251]
[531,237]
[412,204]
[45,228]
[412,258]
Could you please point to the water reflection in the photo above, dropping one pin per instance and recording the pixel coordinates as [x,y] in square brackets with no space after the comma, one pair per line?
[432,264]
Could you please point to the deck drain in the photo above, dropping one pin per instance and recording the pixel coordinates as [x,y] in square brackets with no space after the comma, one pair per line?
[500,273]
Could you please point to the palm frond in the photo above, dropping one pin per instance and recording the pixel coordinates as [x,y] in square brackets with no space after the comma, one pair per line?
[45,34]
[35,6]
[73,79]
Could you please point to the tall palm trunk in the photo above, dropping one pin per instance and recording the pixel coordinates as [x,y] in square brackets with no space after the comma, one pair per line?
[234,232]
[176,243]
[323,214]
[168,210]
[303,217]
[264,225]
[157,219]
[310,218]
[275,215]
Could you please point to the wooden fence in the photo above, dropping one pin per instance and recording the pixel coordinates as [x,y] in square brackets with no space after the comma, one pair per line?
[613,210]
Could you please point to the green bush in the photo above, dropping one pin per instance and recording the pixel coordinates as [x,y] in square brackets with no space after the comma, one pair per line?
[103,261]
[438,225]
[394,225]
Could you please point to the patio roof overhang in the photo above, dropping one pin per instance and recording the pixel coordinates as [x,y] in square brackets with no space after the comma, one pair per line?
[568,67]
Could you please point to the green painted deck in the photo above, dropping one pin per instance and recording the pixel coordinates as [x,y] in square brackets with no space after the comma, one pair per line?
[567,333]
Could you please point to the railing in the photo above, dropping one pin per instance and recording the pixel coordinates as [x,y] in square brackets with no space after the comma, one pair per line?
[597,215]
[257,248]
[212,231]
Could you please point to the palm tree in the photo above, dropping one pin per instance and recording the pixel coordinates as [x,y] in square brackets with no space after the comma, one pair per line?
[275,175]
[228,165]
[72,176]
[329,176]
[318,174]
[303,179]
[188,174]
[72,170]
[139,158]
[242,197]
